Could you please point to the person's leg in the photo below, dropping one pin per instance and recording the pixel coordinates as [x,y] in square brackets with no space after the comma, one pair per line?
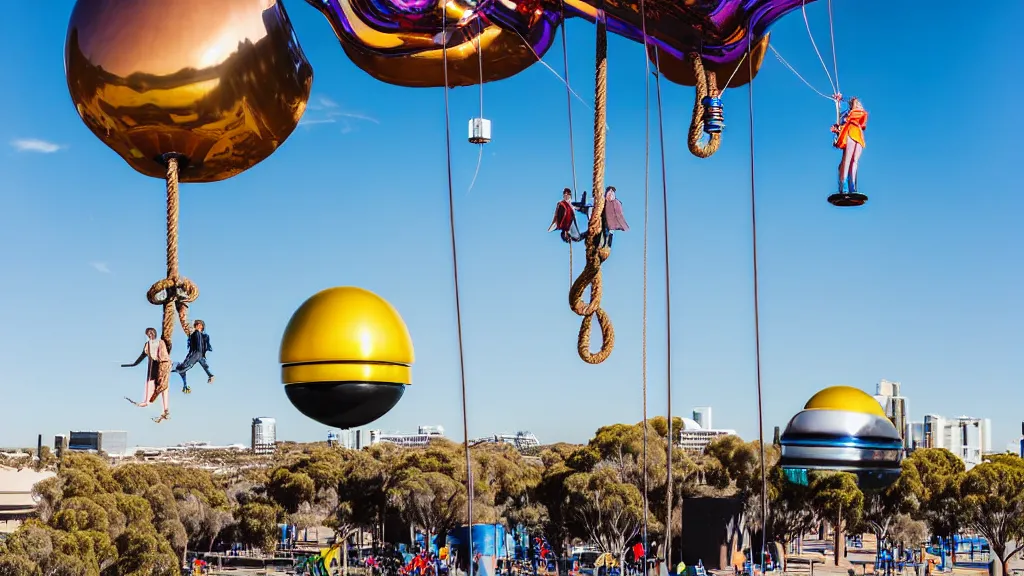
[165,401]
[844,165]
[206,368]
[149,393]
[854,165]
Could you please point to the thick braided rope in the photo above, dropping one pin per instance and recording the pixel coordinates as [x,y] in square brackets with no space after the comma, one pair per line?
[173,292]
[707,83]
[595,254]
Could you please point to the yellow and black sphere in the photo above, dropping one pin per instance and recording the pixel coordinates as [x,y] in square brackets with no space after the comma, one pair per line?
[346,357]
[843,429]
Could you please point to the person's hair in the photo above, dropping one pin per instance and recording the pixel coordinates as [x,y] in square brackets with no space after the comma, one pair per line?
[567,191]
[199,323]
[610,189]
[855,102]
[153,330]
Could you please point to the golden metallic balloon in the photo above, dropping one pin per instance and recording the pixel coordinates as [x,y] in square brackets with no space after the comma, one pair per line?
[221,82]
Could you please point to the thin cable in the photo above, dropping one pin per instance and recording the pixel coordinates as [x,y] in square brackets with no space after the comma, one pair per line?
[797,74]
[807,24]
[479,162]
[647,203]
[668,306]
[480,66]
[832,35]
[547,66]
[757,315]
[733,75]
[572,141]
[568,102]
[458,304]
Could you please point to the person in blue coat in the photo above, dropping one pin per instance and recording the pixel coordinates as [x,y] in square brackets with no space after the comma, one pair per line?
[198,347]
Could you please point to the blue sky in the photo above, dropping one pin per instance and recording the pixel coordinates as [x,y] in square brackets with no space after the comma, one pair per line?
[920,286]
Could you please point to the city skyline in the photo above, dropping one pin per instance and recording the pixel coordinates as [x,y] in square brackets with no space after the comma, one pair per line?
[887,392]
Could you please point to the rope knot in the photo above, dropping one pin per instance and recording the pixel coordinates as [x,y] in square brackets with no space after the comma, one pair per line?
[172,290]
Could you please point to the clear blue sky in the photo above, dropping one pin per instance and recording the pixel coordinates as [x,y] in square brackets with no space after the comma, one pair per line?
[921,286]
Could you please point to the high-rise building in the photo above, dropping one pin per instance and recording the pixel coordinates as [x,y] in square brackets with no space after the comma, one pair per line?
[702,416]
[111,442]
[895,406]
[968,438]
[264,435]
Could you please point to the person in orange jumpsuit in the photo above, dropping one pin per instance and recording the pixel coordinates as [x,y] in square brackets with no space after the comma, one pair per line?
[850,139]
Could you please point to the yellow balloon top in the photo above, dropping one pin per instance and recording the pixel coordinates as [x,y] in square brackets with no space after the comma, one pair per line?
[346,324]
[845,398]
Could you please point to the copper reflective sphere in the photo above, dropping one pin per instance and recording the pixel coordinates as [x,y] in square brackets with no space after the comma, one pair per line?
[221,82]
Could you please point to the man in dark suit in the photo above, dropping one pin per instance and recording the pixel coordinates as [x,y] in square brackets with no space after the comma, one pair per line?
[198,346]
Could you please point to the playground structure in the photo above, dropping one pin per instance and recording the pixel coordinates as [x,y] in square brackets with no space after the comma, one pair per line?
[319,564]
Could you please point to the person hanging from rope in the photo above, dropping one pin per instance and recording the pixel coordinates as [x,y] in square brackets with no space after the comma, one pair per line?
[849,133]
[565,217]
[158,373]
[198,346]
[614,219]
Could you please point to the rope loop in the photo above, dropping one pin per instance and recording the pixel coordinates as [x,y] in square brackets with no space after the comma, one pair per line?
[607,337]
[706,85]
[597,238]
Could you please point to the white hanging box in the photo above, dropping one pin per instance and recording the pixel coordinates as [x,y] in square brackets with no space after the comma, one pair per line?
[479,131]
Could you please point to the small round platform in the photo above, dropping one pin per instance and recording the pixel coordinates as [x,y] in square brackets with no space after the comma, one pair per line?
[847,199]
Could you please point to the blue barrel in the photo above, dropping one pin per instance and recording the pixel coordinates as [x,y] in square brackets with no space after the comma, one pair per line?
[714,115]
[489,540]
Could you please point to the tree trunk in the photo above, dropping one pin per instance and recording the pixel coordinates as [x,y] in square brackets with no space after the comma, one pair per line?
[839,543]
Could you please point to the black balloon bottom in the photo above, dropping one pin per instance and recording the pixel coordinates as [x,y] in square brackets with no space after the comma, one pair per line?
[847,199]
[344,404]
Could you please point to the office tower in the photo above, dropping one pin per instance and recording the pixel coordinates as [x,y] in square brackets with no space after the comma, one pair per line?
[264,435]
[702,416]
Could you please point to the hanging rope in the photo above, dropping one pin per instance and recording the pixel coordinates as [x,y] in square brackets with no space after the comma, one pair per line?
[568,103]
[757,314]
[706,85]
[647,203]
[596,251]
[572,142]
[174,292]
[668,304]
[832,36]
[455,275]
[785,63]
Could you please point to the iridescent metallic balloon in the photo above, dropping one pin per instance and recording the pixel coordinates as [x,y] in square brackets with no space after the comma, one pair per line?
[400,41]
[222,83]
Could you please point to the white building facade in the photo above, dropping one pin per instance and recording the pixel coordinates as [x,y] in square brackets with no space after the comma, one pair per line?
[264,435]
[694,438]
[422,437]
[969,438]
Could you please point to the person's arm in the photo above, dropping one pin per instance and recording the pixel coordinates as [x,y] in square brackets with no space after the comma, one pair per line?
[137,361]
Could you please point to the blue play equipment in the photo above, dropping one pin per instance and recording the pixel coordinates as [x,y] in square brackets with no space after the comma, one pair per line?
[491,541]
